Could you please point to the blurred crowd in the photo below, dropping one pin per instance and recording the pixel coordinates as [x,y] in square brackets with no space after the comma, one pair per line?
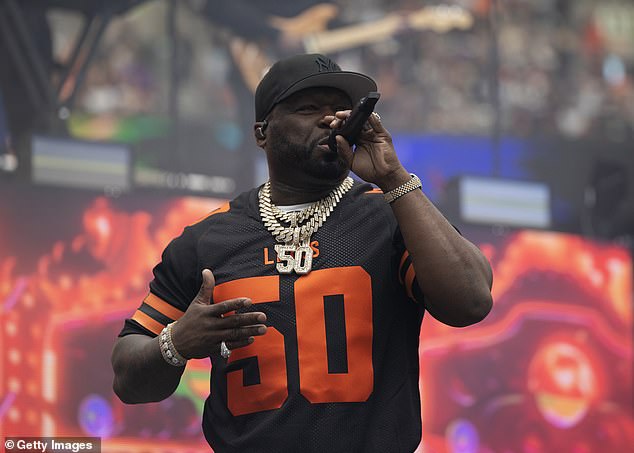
[524,67]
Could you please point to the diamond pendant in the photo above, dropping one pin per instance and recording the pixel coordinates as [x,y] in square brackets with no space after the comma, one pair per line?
[298,258]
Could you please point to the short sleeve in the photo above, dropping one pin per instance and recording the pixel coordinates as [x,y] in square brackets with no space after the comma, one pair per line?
[175,284]
[406,271]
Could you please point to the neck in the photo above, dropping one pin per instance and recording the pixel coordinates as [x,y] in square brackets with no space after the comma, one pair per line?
[283,193]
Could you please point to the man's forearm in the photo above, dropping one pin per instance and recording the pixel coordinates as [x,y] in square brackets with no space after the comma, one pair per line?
[452,273]
[141,373]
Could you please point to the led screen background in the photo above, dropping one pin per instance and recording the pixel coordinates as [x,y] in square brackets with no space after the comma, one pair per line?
[549,370]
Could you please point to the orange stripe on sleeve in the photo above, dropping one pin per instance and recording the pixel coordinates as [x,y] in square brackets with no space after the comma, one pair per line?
[147,322]
[163,307]
[400,266]
[409,280]
[375,190]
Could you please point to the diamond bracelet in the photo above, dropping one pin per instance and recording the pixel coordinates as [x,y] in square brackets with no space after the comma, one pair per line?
[401,190]
[169,352]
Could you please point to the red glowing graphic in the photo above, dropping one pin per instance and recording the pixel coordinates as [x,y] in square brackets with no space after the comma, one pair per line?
[550,369]
[59,322]
[563,381]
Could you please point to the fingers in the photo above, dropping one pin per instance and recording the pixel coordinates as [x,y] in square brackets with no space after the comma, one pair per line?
[242,333]
[228,306]
[344,147]
[206,292]
[239,344]
[200,334]
[239,338]
[335,121]
[241,319]
[375,122]
[240,325]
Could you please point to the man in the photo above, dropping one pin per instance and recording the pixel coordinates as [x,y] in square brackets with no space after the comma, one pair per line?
[303,291]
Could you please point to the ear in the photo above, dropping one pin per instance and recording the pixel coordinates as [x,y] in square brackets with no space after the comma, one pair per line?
[259,134]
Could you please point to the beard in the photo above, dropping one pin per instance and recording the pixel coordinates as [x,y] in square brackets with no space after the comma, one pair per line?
[307,158]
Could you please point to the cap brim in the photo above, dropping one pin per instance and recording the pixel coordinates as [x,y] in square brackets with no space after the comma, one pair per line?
[354,84]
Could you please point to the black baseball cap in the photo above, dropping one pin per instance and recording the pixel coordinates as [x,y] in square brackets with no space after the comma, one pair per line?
[303,71]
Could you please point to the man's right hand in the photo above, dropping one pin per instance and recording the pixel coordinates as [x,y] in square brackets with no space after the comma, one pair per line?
[199,332]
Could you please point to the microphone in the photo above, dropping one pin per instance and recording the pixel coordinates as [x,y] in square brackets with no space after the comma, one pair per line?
[353,125]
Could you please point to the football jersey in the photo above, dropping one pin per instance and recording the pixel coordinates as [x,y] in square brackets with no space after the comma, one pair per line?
[338,369]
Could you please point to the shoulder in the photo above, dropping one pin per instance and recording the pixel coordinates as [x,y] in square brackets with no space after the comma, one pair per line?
[242,205]
[212,224]
[363,193]
[367,205]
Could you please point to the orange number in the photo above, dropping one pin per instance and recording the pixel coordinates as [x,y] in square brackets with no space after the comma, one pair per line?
[316,383]
[272,390]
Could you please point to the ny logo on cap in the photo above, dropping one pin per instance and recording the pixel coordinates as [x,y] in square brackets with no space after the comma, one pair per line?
[327,65]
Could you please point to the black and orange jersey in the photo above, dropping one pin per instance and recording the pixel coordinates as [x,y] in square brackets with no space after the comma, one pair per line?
[337,370]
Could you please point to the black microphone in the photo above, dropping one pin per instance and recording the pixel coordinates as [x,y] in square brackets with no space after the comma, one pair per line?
[353,125]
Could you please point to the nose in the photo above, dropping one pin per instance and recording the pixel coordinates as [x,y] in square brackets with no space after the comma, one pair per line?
[326,111]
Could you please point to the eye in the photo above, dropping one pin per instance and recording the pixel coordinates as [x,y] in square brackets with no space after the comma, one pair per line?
[307,108]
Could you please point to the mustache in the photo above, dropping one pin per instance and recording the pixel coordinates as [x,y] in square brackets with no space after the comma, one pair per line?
[312,145]
[301,150]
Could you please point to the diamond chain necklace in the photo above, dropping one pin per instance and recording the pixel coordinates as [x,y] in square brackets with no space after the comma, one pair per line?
[295,254]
